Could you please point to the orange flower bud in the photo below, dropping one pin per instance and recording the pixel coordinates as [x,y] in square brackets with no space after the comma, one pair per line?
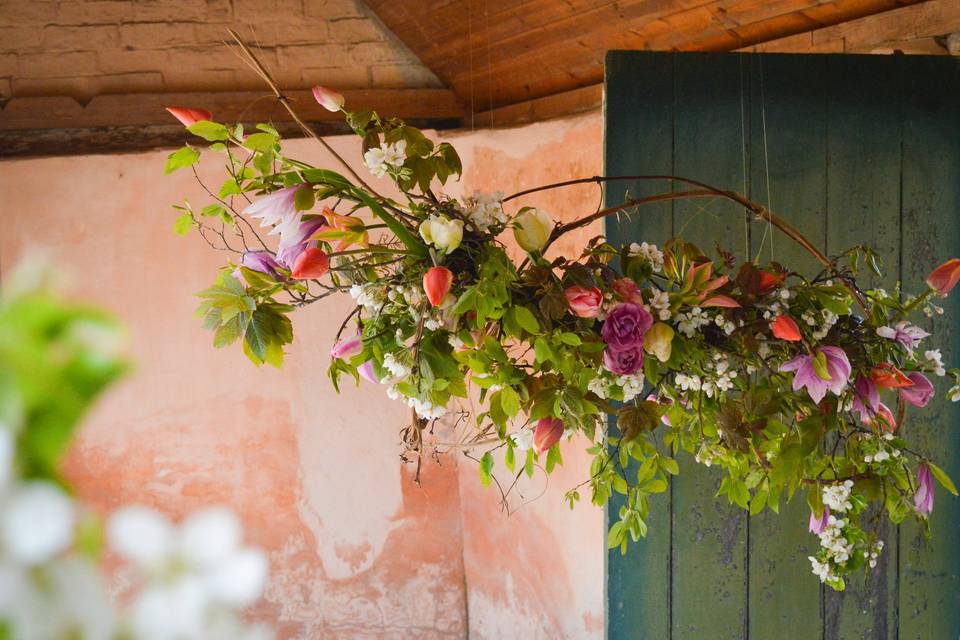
[189,116]
[945,277]
[311,264]
[887,376]
[785,328]
[436,284]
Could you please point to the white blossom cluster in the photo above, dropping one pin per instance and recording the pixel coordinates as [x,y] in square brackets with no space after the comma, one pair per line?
[648,252]
[935,359]
[632,385]
[708,454]
[834,542]
[522,439]
[727,326]
[369,296]
[689,323]
[884,451]
[484,210]
[380,159]
[660,304]
[195,579]
[717,379]
[821,326]
[398,372]
[837,496]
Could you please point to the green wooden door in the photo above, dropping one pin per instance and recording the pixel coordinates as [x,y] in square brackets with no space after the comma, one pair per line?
[850,149]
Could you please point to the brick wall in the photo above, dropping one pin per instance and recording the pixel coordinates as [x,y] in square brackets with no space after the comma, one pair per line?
[84,48]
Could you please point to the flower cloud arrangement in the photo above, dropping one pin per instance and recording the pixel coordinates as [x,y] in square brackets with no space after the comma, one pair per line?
[752,368]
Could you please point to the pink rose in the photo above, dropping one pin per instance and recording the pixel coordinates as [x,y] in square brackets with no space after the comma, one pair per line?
[625,326]
[624,362]
[627,289]
[584,302]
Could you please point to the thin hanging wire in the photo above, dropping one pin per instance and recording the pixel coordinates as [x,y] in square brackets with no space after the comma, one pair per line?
[486,27]
[470,49]
[768,231]
[743,147]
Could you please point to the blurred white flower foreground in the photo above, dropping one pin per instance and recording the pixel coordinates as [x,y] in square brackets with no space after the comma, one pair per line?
[193,579]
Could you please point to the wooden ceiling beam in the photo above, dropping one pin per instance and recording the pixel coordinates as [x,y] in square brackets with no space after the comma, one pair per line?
[227,106]
[495,53]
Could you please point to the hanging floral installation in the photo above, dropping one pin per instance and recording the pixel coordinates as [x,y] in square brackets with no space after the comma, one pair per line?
[788,384]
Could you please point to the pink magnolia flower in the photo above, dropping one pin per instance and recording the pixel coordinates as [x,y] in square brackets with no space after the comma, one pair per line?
[866,398]
[923,498]
[584,303]
[817,525]
[625,326]
[278,210]
[262,261]
[945,277]
[347,347]
[328,98]
[547,433]
[835,370]
[299,241]
[909,335]
[188,116]
[367,373]
[920,393]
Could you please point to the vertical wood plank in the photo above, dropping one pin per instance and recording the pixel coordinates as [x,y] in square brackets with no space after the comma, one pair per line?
[863,203]
[788,96]
[639,140]
[709,535]
[930,569]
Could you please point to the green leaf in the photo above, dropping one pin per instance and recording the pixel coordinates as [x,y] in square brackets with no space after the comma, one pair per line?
[527,320]
[403,234]
[210,131]
[942,478]
[262,142]
[820,366]
[183,157]
[229,188]
[509,458]
[181,226]
[304,199]
[486,467]
[510,401]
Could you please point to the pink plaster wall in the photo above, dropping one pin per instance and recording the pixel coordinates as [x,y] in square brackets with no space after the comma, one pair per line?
[357,550]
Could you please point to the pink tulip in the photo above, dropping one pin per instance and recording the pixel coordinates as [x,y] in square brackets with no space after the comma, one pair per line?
[547,433]
[188,116]
[436,284]
[866,398]
[923,498]
[920,393]
[367,373]
[817,525]
[311,264]
[328,98]
[885,418]
[584,303]
[945,277]
[347,348]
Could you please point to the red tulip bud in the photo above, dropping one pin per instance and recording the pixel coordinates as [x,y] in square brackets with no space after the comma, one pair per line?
[547,433]
[189,116]
[785,328]
[436,284]
[887,376]
[311,264]
[945,277]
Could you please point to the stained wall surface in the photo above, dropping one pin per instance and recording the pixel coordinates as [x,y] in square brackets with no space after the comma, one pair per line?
[357,549]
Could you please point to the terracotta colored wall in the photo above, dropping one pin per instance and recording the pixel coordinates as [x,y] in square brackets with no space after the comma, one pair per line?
[357,550]
[538,573]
